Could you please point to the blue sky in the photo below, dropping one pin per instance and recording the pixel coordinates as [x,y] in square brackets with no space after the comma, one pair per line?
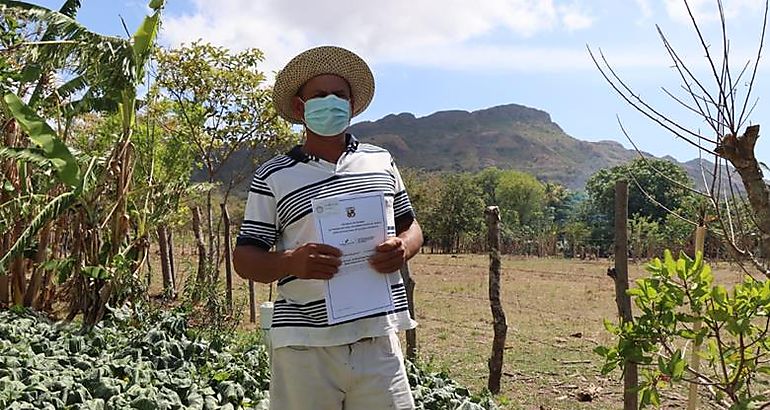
[433,55]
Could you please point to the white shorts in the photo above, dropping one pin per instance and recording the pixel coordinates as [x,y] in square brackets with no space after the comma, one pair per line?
[366,375]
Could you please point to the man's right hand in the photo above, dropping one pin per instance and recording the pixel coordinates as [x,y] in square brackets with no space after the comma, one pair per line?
[314,261]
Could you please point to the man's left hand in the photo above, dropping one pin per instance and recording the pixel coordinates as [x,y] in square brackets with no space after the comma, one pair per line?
[390,255]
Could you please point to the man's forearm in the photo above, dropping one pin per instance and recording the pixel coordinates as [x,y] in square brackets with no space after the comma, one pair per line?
[259,265]
[411,235]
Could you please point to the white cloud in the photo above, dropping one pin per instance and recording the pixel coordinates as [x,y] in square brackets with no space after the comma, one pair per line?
[707,11]
[379,31]
[528,59]
[574,17]
[645,10]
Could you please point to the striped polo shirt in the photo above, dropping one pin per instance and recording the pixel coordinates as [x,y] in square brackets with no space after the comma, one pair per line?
[278,213]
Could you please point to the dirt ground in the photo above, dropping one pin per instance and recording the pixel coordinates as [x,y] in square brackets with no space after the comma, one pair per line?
[554,308]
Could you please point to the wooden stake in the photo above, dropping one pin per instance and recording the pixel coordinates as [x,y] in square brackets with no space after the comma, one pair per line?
[498,315]
[411,334]
[692,396]
[252,303]
[631,375]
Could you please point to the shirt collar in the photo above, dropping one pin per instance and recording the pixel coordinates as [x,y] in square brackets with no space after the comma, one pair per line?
[296,153]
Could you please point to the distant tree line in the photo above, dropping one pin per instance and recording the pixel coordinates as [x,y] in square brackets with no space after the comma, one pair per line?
[545,219]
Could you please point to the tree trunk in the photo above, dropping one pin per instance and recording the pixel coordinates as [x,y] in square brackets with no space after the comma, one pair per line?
[78,250]
[18,278]
[498,315]
[5,296]
[33,290]
[201,278]
[165,266]
[739,150]
[211,234]
[228,257]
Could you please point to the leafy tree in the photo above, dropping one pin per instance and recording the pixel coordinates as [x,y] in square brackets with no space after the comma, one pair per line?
[647,174]
[676,294]
[519,196]
[488,180]
[576,235]
[425,193]
[460,211]
[660,194]
[222,110]
[644,236]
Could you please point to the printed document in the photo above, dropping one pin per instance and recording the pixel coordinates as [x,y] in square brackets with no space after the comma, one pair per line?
[355,224]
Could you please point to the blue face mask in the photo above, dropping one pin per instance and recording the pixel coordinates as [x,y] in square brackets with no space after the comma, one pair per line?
[327,116]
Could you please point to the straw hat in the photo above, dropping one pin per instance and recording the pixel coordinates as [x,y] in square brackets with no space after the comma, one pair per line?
[318,61]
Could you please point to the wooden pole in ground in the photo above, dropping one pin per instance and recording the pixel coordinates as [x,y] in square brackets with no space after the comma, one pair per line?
[252,303]
[692,397]
[630,376]
[498,315]
[411,334]
[228,257]
[171,262]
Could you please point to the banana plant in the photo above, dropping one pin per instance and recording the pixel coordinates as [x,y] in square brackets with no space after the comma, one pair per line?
[107,71]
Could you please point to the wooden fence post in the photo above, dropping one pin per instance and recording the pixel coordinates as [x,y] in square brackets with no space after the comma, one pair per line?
[692,396]
[498,315]
[252,303]
[411,334]
[631,375]
[228,257]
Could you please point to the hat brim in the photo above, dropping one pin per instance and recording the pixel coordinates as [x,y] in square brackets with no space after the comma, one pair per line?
[318,61]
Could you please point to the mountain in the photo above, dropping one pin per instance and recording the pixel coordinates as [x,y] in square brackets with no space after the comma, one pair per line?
[508,137]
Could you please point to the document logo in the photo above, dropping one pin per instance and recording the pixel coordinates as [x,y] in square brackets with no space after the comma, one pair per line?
[351,212]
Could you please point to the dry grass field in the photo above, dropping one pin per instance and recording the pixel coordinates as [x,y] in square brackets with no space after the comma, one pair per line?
[554,309]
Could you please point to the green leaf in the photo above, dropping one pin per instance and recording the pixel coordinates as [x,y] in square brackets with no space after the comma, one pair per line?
[634,292]
[610,327]
[30,155]
[50,212]
[668,261]
[70,8]
[96,272]
[45,137]
[221,376]
[719,294]
[601,350]
[144,37]
[156,4]
[678,365]
[687,334]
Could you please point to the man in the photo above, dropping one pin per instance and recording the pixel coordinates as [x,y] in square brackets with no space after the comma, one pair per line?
[350,365]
